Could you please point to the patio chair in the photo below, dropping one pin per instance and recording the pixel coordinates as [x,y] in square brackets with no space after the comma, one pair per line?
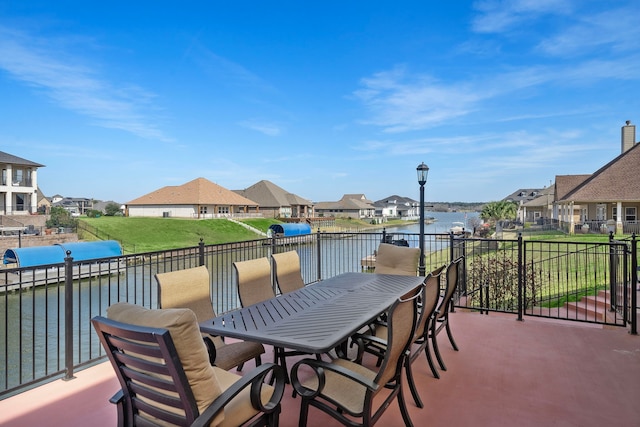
[162,365]
[253,279]
[392,259]
[286,268]
[345,389]
[441,315]
[378,345]
[190,288]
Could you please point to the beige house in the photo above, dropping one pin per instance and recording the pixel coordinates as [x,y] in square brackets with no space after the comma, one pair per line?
[275,202]
[18,185]
[350,206]
[608,199]
[199,199]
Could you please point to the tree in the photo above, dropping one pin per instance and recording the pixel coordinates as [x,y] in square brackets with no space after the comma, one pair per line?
[111,209]
[496,212]
[499,211]
[60,217]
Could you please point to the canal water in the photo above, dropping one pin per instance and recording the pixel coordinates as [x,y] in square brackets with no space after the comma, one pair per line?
[443,221]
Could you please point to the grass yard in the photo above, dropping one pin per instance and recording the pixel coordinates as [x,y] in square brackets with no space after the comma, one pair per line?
[156,234]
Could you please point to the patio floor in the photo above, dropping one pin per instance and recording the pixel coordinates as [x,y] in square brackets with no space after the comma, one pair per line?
[531,373]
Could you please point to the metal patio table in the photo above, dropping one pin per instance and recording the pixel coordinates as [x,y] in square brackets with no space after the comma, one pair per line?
[318,317]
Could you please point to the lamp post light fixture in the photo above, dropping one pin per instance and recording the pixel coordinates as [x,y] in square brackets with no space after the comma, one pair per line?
[423,171]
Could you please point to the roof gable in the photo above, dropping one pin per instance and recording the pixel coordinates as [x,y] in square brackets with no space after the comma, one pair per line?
[200,191]
[618,180]
[268,194]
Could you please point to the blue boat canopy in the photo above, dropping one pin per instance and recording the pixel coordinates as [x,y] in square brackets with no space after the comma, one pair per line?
[55,254]
[291,229]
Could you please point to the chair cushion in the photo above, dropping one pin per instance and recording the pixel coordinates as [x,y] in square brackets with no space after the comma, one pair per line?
[392,259]
[184,330]
[239,410]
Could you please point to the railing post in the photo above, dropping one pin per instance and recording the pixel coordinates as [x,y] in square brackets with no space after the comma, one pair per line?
[319,256]
[634,285]
[201,252]
[520,278]
[613,272]
[68,317]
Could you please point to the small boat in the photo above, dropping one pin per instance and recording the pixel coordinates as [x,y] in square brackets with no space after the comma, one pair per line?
[458,229]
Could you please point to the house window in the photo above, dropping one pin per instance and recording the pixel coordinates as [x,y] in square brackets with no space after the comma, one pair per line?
[18,175]
[630,214]
[19,202]
[223,209]
[601,212]
[614,213]
[203,210]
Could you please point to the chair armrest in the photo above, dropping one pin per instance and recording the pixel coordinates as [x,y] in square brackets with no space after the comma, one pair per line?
[211,349]
[319,367]
[119,400]
[254,379]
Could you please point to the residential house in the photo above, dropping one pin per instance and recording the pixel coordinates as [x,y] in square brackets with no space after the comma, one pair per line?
[199,198]
[76,206]
[521,197]
[44,204]
[349,206]
[18,185]
[608,199]
[101,206]
[539,209]
[275,202]
[397,207]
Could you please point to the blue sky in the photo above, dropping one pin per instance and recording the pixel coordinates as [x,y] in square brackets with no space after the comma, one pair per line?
[322,98]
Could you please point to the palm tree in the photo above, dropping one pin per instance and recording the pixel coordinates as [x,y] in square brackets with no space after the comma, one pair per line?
[496,212]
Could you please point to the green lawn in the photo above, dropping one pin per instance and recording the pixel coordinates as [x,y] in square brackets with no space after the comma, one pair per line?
[156,234]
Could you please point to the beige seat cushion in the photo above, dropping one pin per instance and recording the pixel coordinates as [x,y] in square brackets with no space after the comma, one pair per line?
[392,259]
[339,388]
[239,410]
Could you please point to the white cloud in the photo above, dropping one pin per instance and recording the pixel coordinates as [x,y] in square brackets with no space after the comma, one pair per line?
[614,30]
[399,102]
[500,15]
[62,77]
[270,129]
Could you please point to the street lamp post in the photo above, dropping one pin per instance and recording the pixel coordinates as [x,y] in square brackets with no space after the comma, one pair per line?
[423,171]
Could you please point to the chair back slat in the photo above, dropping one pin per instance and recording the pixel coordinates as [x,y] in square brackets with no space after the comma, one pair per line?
[286,267]
[429,302]
[401,326]
[189,288]
[452,283]
[253,278]
[392,259]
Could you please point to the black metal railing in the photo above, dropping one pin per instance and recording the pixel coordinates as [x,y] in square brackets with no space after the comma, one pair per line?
[45,311]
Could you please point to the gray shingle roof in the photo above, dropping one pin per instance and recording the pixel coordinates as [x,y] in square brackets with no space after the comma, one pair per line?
[269,195]
[15,160]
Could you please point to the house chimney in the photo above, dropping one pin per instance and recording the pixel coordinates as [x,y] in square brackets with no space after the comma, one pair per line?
[628,136]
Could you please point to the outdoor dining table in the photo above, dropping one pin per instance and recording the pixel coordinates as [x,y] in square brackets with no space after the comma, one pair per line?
[318,317]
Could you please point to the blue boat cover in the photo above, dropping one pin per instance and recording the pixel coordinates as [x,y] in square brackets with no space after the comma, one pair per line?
[291,229]
[55,254]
